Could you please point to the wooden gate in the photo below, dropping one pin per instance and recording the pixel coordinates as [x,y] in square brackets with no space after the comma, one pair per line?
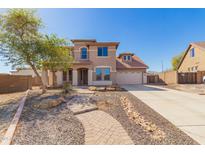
[187,78]
[152,79]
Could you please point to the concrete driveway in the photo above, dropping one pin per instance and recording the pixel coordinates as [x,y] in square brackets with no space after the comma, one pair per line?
[184,110]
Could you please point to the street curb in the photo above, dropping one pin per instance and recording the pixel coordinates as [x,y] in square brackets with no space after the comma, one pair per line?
[10,131]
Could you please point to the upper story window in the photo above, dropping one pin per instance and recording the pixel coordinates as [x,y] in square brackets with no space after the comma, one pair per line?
[84,53]
[102,51]
[192,52]
[127,57]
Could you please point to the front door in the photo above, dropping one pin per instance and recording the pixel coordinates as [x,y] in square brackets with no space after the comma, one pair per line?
[83,73]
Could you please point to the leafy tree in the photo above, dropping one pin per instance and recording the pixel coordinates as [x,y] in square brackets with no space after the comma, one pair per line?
[21,42]
[176,60]
[56,54]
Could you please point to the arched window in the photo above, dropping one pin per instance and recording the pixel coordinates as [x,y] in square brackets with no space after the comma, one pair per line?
[84,53]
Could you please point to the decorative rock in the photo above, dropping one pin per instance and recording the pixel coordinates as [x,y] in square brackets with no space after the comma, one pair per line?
[118,89]
[110,89]
[92,88]
[154,131]
[49,103]
[100,88]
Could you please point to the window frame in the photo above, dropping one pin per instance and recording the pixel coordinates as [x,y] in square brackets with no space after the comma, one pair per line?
[81,53]
[104,52]
[127,58]
[100,75]
[104,74]
[192,53]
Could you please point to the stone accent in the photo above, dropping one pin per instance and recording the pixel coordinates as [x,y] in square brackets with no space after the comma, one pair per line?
[49,103]
[149,127]
[100,89]
[92,88]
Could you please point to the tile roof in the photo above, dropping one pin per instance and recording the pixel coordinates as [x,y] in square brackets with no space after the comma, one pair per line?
[95,43]
[134,64]
[199,44]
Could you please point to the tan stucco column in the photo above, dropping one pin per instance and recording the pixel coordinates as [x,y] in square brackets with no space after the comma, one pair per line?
[50,79]
[75,77]
[59,78]
[44,76]
[90,77]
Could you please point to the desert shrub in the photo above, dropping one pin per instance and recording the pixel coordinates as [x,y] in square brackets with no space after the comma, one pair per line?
[67,87]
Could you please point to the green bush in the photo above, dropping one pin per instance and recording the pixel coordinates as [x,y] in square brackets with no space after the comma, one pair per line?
[67,87]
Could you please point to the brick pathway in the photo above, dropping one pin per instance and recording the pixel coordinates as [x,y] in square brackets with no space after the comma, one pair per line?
[101,128]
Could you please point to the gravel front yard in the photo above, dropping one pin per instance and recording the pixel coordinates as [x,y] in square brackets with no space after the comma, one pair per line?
[58,125]
[137,127]
[55,125]
[10,98]
[8,107]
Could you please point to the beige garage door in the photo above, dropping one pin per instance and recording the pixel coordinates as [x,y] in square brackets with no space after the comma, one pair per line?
[128,77]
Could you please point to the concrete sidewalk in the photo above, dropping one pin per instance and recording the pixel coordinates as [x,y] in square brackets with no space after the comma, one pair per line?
[185,110]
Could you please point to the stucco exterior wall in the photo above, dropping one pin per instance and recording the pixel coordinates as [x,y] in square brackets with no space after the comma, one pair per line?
[197,60]
[14,83]
[25,72]
[59,77]
[96,60]
[169,77]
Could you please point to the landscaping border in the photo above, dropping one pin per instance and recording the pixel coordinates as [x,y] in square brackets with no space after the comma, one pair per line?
[10,131]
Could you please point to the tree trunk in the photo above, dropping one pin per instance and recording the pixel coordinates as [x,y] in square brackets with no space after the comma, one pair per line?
[39,78]
[54,78]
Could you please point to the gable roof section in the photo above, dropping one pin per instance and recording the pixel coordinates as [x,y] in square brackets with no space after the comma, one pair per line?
[125,53]
[93,42]
[200,45]
[134,64]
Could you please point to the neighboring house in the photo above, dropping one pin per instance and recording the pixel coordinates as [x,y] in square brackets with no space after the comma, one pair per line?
[194,58]
[95,63]
[24,71]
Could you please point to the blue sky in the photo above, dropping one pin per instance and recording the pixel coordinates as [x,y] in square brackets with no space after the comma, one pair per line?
[155,35]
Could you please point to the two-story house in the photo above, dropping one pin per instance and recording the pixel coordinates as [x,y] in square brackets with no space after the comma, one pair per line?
[193,59]
[95,63]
